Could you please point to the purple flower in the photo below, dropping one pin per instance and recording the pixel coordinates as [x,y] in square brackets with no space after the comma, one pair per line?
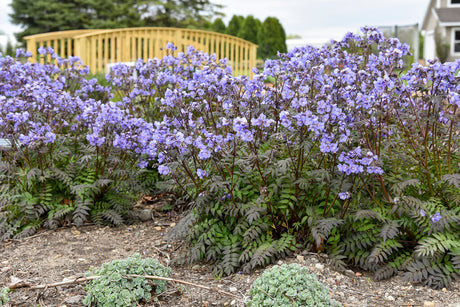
[374,170]
[436,217]
[143,164]
[171,46]
[163,170]
[422,213]
[344,195]
[201,173]
[204,154]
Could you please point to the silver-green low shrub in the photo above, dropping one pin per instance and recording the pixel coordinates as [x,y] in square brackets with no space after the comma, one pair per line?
[289,285]
[115,289]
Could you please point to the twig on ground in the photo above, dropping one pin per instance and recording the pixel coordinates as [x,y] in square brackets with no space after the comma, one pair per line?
[185,283]
[85,279]
[24,284]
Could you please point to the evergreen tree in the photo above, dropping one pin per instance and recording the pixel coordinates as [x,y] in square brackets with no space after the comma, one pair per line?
[235,25]
[9,49]
[40,16]
[271,38]
[218,26]
[249,29]
[180,13]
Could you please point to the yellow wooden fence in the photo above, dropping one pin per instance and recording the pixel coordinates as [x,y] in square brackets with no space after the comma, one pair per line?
[98,48]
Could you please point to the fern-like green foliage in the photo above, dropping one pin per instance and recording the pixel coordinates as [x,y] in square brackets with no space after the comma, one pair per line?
[416,241]
[68,189]
[233,239]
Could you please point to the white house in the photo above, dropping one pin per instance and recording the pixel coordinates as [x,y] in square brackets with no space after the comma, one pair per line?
[441,26]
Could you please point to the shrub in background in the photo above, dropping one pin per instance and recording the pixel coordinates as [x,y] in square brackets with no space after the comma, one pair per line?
[115,288]
[249,29]
[289,285]
[235,24]
[271,39]
[219,26]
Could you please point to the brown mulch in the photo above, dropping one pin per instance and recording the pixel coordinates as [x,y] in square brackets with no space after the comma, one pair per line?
[67,253]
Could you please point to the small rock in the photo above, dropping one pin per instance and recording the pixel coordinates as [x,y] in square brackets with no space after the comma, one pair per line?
[16,282]
[196,267]
[300,258]
[74,299]
[319,266]
[232,289]
[350,273]
[233,302]
[390,298]
[143,214]
[429,304]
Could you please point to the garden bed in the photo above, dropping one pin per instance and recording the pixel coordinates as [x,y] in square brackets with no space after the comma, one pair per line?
[67,253]
[347,154]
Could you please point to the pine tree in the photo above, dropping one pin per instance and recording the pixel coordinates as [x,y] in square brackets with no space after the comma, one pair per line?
[250,29]
[40,16]
[235,25]
[218,26]
[180,13]
[9,49]
[271,38]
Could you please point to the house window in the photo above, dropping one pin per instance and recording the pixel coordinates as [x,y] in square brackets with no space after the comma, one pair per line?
[454,3]
[456,40]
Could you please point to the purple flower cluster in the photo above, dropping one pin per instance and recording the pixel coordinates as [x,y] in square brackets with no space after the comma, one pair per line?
[354,162]
[52,105]
[338,103]
[434,218]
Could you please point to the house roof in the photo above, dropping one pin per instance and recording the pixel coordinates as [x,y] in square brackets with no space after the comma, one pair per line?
[427,13]
[448,15]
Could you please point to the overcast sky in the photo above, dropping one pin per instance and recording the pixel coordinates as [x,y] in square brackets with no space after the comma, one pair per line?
[316,21]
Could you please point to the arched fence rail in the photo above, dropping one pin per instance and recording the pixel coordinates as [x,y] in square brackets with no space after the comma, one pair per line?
[98,48]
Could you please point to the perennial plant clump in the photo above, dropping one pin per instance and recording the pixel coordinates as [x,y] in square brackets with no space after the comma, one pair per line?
[115,288]
[64,165]
[345,153]
[289,285]
[4,295]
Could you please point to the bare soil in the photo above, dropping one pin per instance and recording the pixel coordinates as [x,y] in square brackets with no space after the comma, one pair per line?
[67,253]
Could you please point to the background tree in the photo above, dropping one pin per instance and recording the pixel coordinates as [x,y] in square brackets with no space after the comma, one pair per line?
[271,38]
[250,29]
[9,48]
[218,26]
[39,16]
[180,13]
[235,25]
